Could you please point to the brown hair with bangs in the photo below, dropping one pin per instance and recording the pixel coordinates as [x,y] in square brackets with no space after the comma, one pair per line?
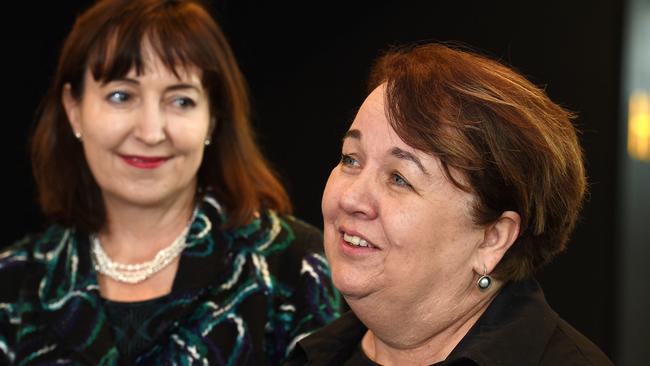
[107,40]
[516,149]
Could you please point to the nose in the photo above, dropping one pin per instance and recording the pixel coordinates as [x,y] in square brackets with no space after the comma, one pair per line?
[358,196]
[151,125]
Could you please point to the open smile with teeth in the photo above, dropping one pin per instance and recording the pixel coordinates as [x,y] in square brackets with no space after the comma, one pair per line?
[357,241]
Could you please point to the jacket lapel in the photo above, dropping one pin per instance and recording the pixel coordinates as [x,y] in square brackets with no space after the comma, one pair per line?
[69,298]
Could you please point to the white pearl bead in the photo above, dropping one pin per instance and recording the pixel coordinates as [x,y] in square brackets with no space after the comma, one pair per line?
[484,282]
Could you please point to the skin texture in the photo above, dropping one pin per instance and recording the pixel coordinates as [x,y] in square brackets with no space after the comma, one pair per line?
[143,137]
[414,286]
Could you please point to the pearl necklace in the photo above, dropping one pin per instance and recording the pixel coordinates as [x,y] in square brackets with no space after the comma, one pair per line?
[136,273]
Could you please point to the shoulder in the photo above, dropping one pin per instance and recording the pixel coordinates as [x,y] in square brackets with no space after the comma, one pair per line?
[20,254]
[272,233]
[15,262]
[567,346]
[305,236]
[520,328]
[27,254]
[296,243]
[303,270]
[34,246]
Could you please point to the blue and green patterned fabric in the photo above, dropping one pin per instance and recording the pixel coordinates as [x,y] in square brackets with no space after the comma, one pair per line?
[240,297]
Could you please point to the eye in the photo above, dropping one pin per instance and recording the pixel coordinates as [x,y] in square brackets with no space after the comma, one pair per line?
[348,160]
[398,180]
[118,97]
[183,102]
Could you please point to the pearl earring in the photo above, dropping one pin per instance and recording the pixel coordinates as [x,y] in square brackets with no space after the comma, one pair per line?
[484,281]
[77,135]
[207,142]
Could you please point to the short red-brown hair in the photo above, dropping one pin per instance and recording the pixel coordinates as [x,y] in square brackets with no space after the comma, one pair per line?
[516,149]
[107,41]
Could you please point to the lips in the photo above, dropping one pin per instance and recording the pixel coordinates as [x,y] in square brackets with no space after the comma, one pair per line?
[356,240]
[144,162]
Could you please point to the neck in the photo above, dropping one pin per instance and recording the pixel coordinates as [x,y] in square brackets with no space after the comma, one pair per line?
[135,234]
[421,335]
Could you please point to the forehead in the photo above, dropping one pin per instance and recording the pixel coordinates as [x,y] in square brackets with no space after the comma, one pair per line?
[372,129]
[372,121]
[153,66]
[116,60]
[155,70]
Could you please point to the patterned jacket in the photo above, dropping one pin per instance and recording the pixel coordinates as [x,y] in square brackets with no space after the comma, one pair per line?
[240,297]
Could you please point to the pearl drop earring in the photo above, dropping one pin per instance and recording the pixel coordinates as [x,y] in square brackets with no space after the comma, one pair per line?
[484,281]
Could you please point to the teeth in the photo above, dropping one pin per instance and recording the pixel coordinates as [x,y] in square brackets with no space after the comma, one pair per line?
[356,241]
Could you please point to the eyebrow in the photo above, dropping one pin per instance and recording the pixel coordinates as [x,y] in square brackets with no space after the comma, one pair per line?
[395,151]
[179,86]
[405,155]
[354,134]
[183,86]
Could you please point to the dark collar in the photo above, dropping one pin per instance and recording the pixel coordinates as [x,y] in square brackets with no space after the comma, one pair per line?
[332,344]
[514,330]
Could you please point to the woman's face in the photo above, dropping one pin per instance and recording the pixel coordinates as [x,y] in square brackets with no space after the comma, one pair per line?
[395,228]
[143,136]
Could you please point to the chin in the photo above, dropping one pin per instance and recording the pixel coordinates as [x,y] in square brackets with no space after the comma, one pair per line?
[350,284]
[144,198]
[141,198]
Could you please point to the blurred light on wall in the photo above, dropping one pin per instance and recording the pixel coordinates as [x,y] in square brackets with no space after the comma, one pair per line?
[633,196]
[638,132]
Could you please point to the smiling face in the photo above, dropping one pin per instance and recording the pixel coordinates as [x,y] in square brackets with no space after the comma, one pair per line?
[397,231]
[143,135]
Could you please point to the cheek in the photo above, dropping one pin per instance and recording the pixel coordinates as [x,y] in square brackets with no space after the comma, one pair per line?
[189,140]
[415,225]
[431,234]
[329,239]
[329,202]
[403,228]
[102,141]
[100,150]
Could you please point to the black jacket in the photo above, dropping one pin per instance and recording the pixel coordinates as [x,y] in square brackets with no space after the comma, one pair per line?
[241,296]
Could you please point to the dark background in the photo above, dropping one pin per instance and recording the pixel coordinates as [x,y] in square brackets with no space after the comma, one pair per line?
[307,63]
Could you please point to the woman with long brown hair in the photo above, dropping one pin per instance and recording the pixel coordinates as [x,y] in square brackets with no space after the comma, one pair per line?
[172,240]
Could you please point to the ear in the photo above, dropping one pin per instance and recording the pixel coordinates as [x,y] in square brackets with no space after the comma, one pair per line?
[211,125]
[498,238]
[72,109]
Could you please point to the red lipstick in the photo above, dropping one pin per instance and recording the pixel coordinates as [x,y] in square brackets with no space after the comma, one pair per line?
[144,162]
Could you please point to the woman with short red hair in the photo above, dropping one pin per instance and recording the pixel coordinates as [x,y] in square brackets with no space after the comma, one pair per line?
[458,179]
